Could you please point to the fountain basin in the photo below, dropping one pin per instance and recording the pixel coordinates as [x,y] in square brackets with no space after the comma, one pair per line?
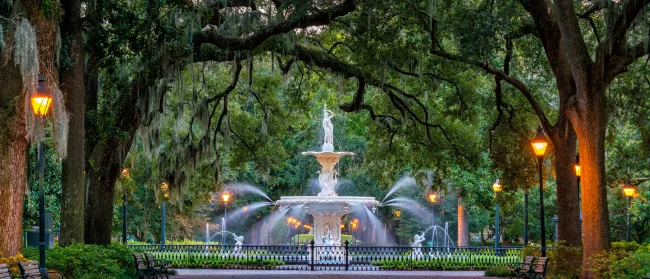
[327,212]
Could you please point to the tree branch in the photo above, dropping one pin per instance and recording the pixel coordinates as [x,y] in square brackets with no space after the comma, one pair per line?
[321,17]
[509,79]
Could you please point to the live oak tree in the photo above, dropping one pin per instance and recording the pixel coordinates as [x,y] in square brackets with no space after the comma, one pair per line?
[584,60]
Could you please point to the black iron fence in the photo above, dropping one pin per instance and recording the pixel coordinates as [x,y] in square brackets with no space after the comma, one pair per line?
[344,257]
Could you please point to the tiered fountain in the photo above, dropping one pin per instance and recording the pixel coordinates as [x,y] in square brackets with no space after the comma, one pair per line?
[327,207]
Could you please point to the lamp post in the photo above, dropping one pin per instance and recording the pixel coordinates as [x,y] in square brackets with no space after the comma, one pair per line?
[497,187]
[629,191]
[526,218]
[165,195]
[577,167]
[41,101]
[225,196]
[433,198]
[125,174]
[539,145]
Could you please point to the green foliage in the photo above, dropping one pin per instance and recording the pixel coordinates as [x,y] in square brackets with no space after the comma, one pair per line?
[92,261]
[621,264]
[458,260]
[563,261]
[626,246]
[498,271]
[213,260]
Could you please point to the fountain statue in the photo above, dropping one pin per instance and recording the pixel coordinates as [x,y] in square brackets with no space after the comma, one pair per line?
[327,207]
[328,141]
[239,241]
[417,246]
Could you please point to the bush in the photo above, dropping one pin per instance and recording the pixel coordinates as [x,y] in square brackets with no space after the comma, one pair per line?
[86,261]
[564,262]
[625,246]
[498,272]
[621,264]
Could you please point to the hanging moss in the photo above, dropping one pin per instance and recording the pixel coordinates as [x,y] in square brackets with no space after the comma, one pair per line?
[2,39]
[26,50]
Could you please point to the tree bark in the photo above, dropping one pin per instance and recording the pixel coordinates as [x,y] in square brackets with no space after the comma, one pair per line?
[72,85]
[463,224]
[108,158]
[13,143]
[13,160]
[564,138]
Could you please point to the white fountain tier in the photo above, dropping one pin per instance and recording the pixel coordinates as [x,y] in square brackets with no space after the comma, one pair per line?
[327,212]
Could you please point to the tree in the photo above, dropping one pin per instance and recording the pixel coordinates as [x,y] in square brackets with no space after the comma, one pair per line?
[72,80]
[581,81]
[29,40]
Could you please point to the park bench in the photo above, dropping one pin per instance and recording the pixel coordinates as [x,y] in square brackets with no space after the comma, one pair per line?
[31,269]
[160,266]
[6,274]
[142,267]
[540,268]
[522,270]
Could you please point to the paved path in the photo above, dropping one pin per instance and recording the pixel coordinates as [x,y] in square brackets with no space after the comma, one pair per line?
[279,274]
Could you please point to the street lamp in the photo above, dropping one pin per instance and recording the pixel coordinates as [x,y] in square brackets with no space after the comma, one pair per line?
[577,167]
[165,195]
[496,187]
[125,174]
[225,197]
[629,191]
[539,146]
[433,198]
[41,101]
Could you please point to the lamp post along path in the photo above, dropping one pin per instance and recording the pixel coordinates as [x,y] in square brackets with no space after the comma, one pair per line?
[539,146]
[41,101]
[497,187]
[433,198]
[629,191]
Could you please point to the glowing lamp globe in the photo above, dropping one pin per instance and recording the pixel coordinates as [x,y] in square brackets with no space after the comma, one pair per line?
[577,165]
[41,99]
[540,142]
[497,187]
[629,189]
[398,213]
[225,197]
[433,197]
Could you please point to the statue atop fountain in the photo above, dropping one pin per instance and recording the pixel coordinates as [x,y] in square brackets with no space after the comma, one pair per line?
[328,139]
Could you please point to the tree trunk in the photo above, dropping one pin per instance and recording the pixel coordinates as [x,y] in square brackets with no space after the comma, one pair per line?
[564,145]
[592,118]
[72,81]
[463,224]
[13,160]
[13,142]
[108,158]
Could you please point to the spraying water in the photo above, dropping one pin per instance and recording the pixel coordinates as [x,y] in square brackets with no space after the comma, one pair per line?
[410,205]
[250,208]
[403,182]
[247,188]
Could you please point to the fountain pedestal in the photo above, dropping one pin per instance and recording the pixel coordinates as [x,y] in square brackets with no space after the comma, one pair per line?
[327,212]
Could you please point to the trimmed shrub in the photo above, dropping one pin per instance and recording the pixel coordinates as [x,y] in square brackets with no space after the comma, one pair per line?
[498,272]
[87,261]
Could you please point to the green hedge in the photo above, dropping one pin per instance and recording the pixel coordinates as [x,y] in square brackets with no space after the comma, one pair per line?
[211,260]
[86,261]
[454,261]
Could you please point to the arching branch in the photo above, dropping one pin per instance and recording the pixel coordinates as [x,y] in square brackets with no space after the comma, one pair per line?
[317,18]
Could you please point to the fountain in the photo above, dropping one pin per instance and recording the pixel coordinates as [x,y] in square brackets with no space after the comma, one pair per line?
[327,207]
